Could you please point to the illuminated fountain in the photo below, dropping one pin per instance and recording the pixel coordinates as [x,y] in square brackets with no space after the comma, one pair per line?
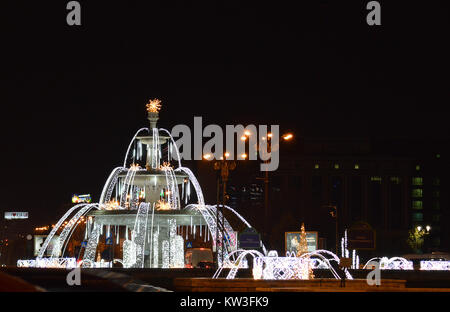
[145,208]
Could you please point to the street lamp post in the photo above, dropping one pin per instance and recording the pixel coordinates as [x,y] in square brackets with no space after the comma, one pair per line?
[224,166]
[286,137]
[266,190]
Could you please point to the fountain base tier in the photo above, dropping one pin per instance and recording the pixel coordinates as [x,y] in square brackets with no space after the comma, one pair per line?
[161,217]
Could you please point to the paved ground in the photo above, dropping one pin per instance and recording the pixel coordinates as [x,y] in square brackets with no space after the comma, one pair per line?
[92,280]
[154,280]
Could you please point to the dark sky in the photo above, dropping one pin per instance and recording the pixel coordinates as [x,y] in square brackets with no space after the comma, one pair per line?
[73,97]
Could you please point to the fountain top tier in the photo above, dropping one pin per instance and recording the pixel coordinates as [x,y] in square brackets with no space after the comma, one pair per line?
[159,182]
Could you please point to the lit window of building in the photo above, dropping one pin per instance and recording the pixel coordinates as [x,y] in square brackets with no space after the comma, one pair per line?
[417,167]
[356,166]
[395,180]
[336,166]
[417,181]
[375,179]
[417,204]
[316,166]
[417,216]
[417,193]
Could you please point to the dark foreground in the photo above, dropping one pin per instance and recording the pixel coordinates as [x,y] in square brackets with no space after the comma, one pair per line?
[199,280]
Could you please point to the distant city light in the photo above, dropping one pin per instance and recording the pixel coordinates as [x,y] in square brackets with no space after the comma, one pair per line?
[77,199]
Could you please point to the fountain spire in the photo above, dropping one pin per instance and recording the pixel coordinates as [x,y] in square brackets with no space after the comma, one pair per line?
[153,107]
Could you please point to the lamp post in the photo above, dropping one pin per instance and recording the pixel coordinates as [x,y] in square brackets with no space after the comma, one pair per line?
[424,232]
[224,166]
[286,137]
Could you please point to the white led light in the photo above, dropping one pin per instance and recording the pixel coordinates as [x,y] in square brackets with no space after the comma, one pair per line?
[434,265]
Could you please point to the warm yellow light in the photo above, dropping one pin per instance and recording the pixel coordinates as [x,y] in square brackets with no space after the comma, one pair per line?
[243,138]
[165,166]
[227,154]
[162,205]
[247,133]
[244,156]
[111,205]
[134,167]
[207,156]
[154,106]
[288,136]
[43,228]
[269,135]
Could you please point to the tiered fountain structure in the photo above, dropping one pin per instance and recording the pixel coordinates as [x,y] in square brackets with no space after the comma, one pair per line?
[145,207]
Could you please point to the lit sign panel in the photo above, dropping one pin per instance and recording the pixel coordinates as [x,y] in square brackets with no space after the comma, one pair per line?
[16,215]
[292,241]
[39,241]
[78,199]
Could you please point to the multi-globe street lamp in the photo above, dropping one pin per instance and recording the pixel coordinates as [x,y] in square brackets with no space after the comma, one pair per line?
[286,137]
[224,166]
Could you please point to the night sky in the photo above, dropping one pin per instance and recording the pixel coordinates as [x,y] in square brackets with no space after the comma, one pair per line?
[74,96]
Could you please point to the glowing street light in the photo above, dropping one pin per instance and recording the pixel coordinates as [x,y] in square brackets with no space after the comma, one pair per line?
[224,166]
[288,136]
[244,156]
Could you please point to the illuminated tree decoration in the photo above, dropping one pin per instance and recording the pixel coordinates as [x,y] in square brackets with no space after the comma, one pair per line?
[306,270]
[303,245]
[154,106]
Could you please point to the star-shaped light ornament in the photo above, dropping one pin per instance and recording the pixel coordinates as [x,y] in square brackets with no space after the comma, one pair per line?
[154,106]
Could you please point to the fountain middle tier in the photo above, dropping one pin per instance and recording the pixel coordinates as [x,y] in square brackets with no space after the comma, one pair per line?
[153,177]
